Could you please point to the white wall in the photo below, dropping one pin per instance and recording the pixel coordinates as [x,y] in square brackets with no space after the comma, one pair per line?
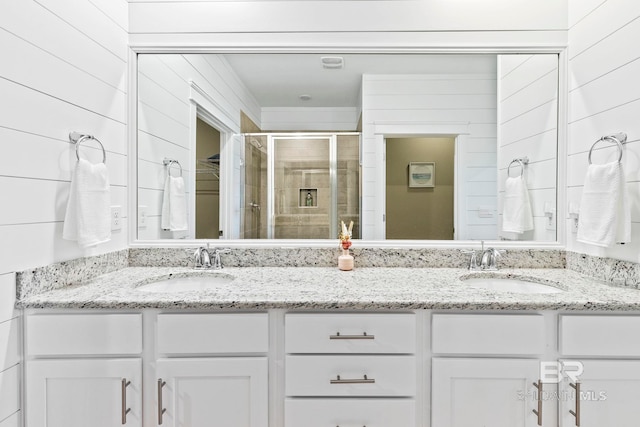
[309,119]
[63,69]
[604,98]
[437,101]
[165,120]
[528,127]
[354,22]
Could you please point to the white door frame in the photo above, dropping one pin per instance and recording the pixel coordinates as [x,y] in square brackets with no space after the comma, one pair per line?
[205,107]
[386,130]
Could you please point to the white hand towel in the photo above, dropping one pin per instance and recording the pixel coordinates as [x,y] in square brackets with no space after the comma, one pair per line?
[174,205]
[516,212]
[605,213]
[88,216]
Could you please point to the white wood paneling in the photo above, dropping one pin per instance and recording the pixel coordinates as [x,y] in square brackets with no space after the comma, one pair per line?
[603,99]
[7,296]
[62,80]
[591,31]
[91,21]
[305,119]
[9,340]
[309,16]
[9,391]
[38,26]
[12,421]
[46,236]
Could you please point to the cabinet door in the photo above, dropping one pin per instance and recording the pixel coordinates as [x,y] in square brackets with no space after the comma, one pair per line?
[213,392]
[609,394]
[483,392]
[81,393]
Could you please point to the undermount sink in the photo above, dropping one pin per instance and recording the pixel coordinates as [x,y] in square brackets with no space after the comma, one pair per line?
[510,284]
[201,282]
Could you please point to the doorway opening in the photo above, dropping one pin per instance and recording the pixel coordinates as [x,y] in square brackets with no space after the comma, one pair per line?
[416,211]
[207,181]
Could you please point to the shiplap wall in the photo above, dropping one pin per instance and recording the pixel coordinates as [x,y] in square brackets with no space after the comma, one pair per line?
[435,99]
[63,69]
[165,120]
[528,127]
[321,23]
[309,119]
[604,98]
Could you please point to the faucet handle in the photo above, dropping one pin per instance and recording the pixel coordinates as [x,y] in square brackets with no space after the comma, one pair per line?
[473,260]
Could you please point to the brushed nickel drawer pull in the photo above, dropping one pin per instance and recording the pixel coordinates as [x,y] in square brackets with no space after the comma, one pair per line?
[364,336]
[161,410]
[125,410]
[576,414]
[364,380]
[538,412]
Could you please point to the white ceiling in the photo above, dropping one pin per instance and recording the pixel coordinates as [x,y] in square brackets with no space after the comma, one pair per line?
[277,80]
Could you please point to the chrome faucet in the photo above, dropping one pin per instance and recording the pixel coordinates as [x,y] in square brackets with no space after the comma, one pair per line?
[202,258]
[488,260]
[209,259]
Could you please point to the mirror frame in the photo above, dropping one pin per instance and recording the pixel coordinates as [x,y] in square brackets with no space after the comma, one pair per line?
[132,131]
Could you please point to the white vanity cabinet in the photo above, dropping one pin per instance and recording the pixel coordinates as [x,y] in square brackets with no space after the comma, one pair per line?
[600,384]
[210,369]
[352,369]
[484,367]
[83,370]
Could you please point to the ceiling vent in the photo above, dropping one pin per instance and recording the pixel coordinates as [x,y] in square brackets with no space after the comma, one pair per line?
[332,62]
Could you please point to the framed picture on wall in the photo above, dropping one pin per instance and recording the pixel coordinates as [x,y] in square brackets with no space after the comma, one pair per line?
[422,174]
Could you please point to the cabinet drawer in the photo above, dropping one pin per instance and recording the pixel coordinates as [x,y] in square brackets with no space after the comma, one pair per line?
[488,334]
[350,412]
[345,376]
[350,333]
[600,335]
[213,333]
[83,334]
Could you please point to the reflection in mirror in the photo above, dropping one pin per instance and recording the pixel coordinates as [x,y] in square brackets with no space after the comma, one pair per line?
[314,185]
[292,145]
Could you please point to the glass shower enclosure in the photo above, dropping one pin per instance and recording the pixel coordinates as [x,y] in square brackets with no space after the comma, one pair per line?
[300,186]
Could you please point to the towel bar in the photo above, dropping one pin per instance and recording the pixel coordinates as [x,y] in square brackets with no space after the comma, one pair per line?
[78,138]
[619,139]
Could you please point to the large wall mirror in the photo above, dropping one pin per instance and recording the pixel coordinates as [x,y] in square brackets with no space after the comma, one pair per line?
[417,147]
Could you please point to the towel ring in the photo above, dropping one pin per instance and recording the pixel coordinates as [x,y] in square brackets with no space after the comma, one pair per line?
[78,138]
[521,162]
[169,163]
[617,139]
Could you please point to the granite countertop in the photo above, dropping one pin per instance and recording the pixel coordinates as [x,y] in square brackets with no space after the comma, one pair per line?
[329,288]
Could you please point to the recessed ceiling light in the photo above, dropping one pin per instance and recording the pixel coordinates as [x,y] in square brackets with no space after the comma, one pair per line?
[332,62]
[305,97]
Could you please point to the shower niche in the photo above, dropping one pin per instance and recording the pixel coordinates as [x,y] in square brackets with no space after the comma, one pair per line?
[307,184]
[308,198]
